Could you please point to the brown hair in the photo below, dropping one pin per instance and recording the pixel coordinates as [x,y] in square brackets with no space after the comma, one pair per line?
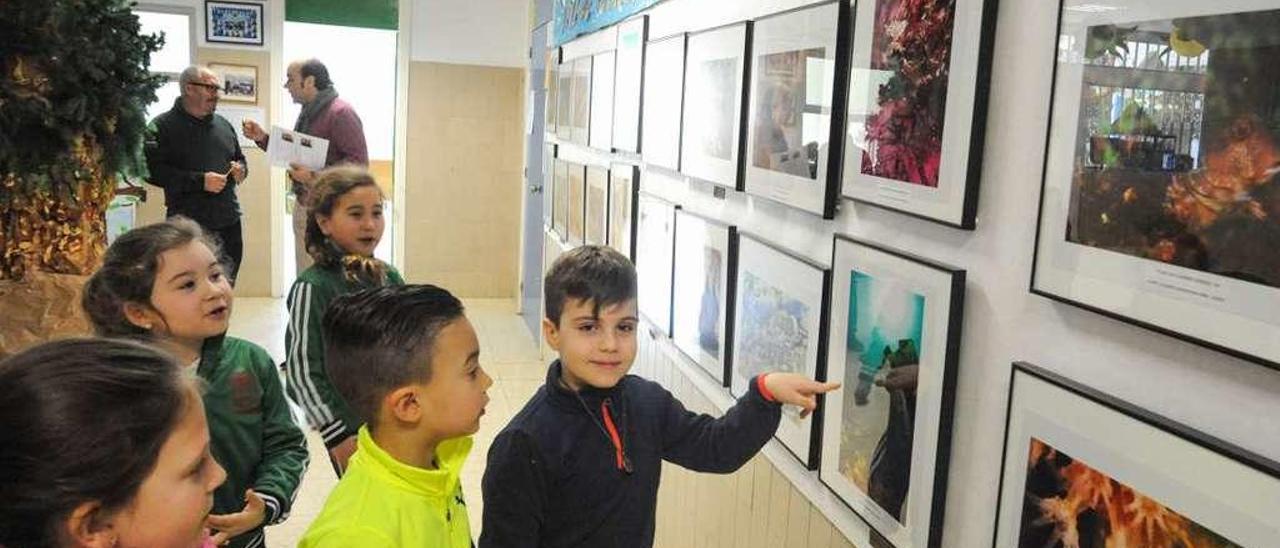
[128,273]
[593,273]
[332,184]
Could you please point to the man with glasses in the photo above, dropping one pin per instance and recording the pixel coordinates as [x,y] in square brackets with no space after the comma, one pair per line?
[324,115]
[194,155]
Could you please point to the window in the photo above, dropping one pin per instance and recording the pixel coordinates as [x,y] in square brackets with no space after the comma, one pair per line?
[176,54]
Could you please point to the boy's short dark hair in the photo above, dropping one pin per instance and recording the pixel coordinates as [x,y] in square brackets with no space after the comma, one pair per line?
[593,273]
[375,339]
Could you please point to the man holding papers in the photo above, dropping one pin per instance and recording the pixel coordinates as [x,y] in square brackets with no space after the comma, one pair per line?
[324,116]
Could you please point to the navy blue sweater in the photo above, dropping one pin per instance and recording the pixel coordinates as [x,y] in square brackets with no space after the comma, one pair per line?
[582,469]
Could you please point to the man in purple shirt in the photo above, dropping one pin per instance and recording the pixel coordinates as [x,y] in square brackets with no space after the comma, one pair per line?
[323,115]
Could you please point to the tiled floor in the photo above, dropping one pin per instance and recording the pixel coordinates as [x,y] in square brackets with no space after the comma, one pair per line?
[508,353]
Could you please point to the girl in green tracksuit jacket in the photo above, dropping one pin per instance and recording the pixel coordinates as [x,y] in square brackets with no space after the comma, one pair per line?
[164,283]
[345,226]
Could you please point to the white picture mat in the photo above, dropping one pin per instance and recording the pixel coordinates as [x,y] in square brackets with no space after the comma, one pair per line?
[597,211]
[946,201]
[808,29]
[656,241]
[935,286]
[236,115]
[693,235]
[1216,309]
[798,280]
[602,73]
[724,43]
[1223,495]
[626,92]
[663,101]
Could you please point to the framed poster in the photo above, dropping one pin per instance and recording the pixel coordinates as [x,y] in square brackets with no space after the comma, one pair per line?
[602,69]
[778,325]
[663,101]
[548,183]
[239,82]
[233,23]
[702,290]
[895,342]
[1161,204]
[552,82]
[564,100]
[791,147]
[655,248]
[917,106]
[711,131]
[628,83]
[1080,464]
[597,204]
[623,187]
[580,123]
[560,195]
[577,205]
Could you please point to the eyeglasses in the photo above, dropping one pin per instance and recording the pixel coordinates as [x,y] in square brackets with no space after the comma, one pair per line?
[211,87]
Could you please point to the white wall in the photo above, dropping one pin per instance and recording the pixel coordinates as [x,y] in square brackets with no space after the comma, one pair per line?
[1231,399]
[471,32]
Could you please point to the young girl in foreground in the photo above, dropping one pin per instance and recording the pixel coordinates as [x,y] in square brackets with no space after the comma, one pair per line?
[345,226]
[164,284]
[102,443]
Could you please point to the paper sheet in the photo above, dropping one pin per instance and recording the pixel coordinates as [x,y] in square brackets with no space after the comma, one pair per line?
[291,147]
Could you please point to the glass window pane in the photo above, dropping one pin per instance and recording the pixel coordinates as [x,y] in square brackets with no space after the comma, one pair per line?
[175,55]
[165,96]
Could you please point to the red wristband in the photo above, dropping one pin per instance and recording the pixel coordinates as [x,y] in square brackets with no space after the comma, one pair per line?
[764,390]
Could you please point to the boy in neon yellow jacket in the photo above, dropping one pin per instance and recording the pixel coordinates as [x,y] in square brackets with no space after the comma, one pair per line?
[407,361]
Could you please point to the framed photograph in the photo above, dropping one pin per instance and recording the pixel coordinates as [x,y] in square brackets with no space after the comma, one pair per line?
[239,82]
[655,251]
[597,205]
[548,184]
[711,131]
[602,69]
[663,101]
[895,341]
[1080,464]
[703,292]
[580,124]
[628,83]
[917,106]
[564,100]
[790,142]
[577,205]
[1161,201]
[233,23]
[560,196]
[623,187]
[778,325]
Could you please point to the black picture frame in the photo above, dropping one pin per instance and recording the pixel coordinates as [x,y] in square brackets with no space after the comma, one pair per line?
[696,234]
[892,298]
[1053,421]
[238,23]
[947,194]
[1190,280]
[716,97]
[596,224]
[655,254]
[560,197]
[662,101]
[772,38]
[762,267]
[603,73]
[628,100]
[624,191]
[576,231]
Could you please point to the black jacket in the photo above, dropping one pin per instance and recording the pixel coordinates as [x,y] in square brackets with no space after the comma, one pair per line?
[180,148]
[557,476]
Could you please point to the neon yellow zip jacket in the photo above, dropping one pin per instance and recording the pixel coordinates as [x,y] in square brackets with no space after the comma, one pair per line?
[383,502]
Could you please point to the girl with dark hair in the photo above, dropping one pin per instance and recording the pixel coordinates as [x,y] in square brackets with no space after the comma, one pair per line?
[102,443]
[163,284]
[342,232]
